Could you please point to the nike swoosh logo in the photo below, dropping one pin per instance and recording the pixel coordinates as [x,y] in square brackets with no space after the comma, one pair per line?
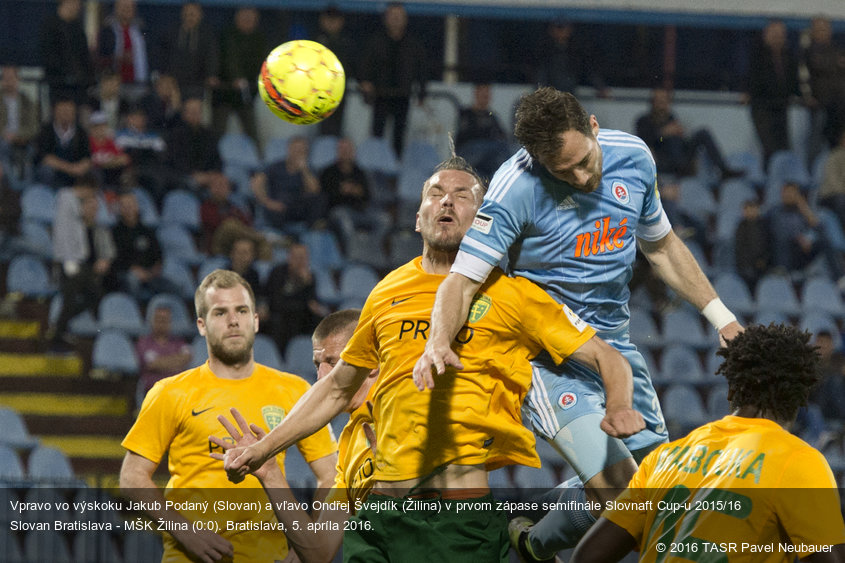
[195,413]
[397,301]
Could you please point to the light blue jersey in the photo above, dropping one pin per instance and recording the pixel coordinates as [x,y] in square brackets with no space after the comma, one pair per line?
[580,247]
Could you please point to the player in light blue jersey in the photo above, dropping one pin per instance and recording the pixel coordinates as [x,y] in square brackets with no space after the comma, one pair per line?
[567,211]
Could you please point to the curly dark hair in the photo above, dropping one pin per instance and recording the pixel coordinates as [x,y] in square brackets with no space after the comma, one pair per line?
[543,115]
[770,367]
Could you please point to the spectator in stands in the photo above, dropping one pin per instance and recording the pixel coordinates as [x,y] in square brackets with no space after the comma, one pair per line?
[192,53]
[108,98]
[288,192]
[137,267]
[350,206]
[18,122]
[222,220]
[481,139]
[752,249]
[772,82]
[242,51]
[68,66]
[63,149]
[565,61]
[832,189]
[146,152]
[10,210]
[292,297]
[83,250]
[393,65]
[332,35]
[160,353]
[831,388]
[192,148]
[797,236]
[108,160]
[675,150]
[825,63]
[163,104]
[242,256]
[121,45]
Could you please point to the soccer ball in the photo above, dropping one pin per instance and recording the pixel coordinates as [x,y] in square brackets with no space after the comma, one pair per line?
[301,81]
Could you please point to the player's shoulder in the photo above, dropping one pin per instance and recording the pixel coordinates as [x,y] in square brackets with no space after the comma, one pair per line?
[186,378]
[516,177]
[620,144]
[289,380]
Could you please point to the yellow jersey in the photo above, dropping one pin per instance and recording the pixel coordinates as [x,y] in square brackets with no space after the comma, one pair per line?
[737,489]
[471,416]
[355,466]
[179,414]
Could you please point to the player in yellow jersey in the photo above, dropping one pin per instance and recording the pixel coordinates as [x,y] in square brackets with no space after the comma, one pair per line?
[180,413]
[738,489]
[355,454]
[435,447]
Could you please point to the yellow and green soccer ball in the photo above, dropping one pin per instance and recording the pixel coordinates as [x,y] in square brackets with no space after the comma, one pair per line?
[302,82]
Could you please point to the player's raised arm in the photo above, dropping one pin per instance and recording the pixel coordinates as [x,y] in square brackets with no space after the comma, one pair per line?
[325,400]
[451,308]
[677,267]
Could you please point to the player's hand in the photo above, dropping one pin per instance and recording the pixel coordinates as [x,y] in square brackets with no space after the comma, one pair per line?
[205,545]
[622,422]
[245,435]
[240,461]
[729,331]
[435,358]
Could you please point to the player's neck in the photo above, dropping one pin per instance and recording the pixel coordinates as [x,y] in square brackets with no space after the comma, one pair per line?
[234,371]
[437,262]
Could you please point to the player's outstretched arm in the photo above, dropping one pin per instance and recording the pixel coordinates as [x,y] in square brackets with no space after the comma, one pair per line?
[620,419]
[325,400]
[136,483]
[604,542]
[451,307]
[308,546]
[677,267]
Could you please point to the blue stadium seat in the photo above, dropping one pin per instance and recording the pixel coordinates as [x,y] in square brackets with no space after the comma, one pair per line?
[267,353]
[11,468]
[199,351]
[339,422]
[15,434]
[683,326]
[366,248]
[46,545]
[405,245]
[239,149]
[817,170]
[50,465]
[146,207]
[775,293]
[275,150]
[643,330]
[680,364]
[28,275]
[766,317]
[822,295]
[211,263]
[420,154]
[95,546]
[178,244]
[120,311]
[323,152]
[376,153]
[183,323]
[816,322]
[683,409]
[751,163]
[113,351]
[327,291]
[299,357]
[729,208]
[36,239]
[10,549]
[297,470]
[84,324]
[832,228]
[409,186]
[357,281]
[697,198]
[717,402]
[180,207]
[323,250]
[784,166]
[38,203]
[735,293]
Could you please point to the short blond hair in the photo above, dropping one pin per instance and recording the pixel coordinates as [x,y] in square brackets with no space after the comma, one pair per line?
[222,279]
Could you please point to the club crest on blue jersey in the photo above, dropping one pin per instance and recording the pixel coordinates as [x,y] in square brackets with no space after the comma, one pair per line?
[567,400]
[620,192]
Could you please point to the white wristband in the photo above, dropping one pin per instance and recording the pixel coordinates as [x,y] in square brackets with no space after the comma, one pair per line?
[718,315]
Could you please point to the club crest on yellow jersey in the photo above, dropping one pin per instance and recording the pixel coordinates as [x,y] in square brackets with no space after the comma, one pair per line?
[479,307]
[272,415]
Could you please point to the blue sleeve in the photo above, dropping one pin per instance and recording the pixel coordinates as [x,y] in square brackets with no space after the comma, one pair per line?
[653,223]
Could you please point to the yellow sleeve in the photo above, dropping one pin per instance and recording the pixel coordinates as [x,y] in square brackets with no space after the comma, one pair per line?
[548,324]
[156,426]
[362,348]
[807,505]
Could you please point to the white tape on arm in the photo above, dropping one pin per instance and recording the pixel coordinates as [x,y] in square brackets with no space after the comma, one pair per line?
[718,315]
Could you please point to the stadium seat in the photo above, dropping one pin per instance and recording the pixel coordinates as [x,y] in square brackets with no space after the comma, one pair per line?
[180,207]
[323,152]
[323,250]
[817,169]
[327,291]
[832,228]
[181,275]
[683,409]
[11,468]
[84,324]
[643,330]
[784,166]
[420,154]
[183,323]
[377,154]
[729,209]
[239,149]
[816,322]
[366,248]
[299,357]
[50,465]
[10,549]
[267,353]
[142,547]
[36,239]
[734,293]
[751,164]
[339,422]
[147,208]
[409,186]
[38,203]
[275,150]
[199,351]
[697,198]
[680,364]
[775,293]
[15,434]
[28,275]
[51,500]
[405,245]
[120,311]
[46,545]
[717,402]
[211,263]
[357,281]
[822,295]
[177,243]
[683,326]
[767,317]
[297,470]
[712,363]
[113,351]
